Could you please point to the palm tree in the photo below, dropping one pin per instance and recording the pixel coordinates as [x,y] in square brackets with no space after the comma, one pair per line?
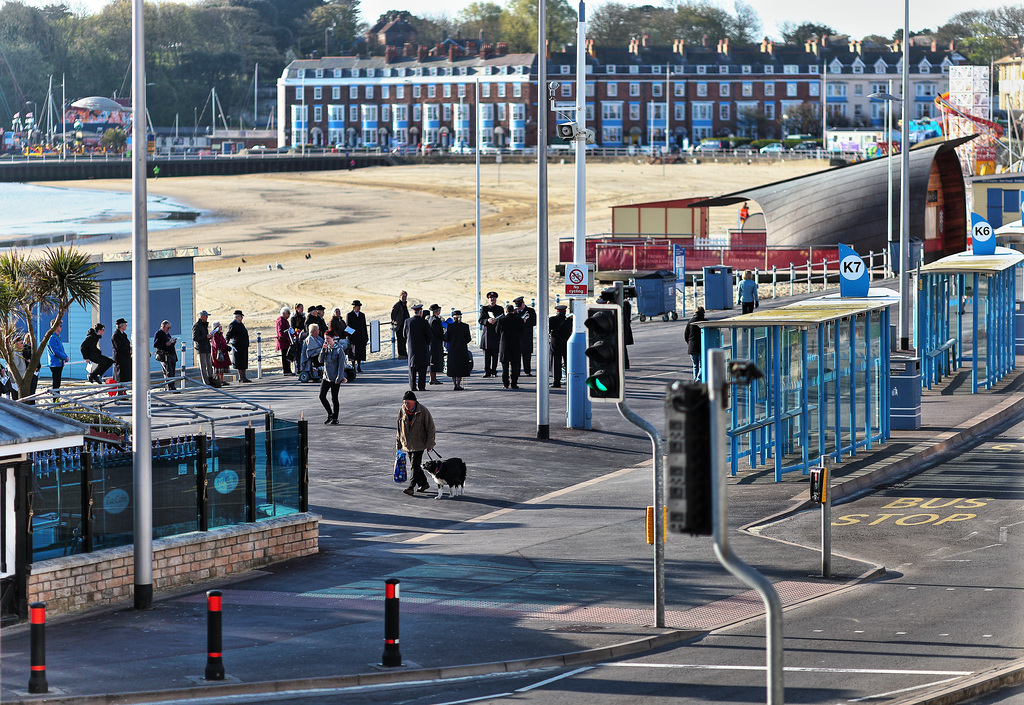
[34,288]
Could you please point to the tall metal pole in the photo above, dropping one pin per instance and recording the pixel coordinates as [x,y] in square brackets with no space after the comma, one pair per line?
[141,450]
[578,416]
[718,391]
[255,95]
[543,343]
[905,293]
[479,112]
[888,159]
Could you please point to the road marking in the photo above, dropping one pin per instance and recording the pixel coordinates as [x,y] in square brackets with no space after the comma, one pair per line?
[553,679]
[902,690]
[536,500]
[792,669]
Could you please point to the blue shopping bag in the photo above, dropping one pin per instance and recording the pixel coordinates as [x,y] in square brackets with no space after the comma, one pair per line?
[400,475]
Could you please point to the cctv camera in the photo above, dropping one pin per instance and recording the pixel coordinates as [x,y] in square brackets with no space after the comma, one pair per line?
[744,372]
[553,85]
[566,131]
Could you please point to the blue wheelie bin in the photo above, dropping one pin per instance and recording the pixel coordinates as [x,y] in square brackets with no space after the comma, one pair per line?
[656,295]
[718,294]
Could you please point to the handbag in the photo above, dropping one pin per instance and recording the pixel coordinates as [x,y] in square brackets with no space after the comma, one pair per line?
[400,474]
[161,356]
[91,367]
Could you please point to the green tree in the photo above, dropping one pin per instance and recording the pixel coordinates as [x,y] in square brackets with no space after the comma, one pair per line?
[339,20]
[114,140]
[519,24]
[481,18]
[798,34]
[47,286]
[615,23]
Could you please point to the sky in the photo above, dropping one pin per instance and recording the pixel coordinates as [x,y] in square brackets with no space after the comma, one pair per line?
[869,16]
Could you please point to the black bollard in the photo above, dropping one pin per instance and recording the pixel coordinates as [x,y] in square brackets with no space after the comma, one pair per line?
[37,635]
[214,655]
[391,657]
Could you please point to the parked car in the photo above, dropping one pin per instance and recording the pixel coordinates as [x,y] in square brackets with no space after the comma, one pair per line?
[708,146]
[461,149]
[810,146]
[491,148]
[773,148]
[404,149]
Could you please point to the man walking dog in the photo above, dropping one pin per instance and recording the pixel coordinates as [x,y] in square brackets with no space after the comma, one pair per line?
[415,435]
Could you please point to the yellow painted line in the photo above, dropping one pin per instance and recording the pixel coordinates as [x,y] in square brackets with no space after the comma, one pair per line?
[536,500]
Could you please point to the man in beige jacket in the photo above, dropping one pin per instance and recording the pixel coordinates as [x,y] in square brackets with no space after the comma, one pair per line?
[415,435]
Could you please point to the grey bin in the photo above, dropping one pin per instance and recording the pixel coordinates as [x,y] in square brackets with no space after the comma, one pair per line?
[1018,327]
[718,288]
[905,393]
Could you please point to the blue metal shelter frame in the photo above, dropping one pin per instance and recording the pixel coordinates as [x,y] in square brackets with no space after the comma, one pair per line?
[965,313]
[825,390]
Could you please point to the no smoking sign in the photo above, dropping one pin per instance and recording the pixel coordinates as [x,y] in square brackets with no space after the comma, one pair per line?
[575,280]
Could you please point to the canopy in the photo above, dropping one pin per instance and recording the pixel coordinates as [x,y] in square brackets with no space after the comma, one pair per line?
[101,104]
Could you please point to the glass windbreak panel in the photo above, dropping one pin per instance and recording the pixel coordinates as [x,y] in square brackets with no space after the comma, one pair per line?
[981,315]
[845,373]
[57,503]
[812,368]
[860,372]
[175,507]
[277,472]
[875,353]
[791,379]
[827,396]
[113,493]
[226,482]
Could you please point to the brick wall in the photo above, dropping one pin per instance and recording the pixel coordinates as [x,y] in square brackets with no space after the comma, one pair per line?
[72,583]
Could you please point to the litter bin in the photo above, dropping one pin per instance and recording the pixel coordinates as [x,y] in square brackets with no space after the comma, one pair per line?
[904,393]
[656,295]
[718,288]
[916,254]
[1018,327]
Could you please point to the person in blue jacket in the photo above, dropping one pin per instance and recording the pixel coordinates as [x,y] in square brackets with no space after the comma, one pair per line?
[748,293]
[57,356]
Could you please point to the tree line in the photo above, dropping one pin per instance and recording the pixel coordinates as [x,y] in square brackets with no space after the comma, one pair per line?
[191,48]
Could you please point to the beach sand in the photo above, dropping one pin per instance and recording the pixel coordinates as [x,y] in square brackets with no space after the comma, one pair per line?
[373,232]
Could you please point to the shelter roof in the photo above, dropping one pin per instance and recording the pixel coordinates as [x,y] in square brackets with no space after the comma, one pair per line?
[967,262]
[26,429]
[805,315]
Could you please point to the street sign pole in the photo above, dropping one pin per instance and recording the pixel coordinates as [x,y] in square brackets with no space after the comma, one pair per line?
[543,341]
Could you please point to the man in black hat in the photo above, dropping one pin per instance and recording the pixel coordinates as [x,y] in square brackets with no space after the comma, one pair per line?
[317,316]
[436,344]
[415,435]
[559,330]
[417,338]
[122,346]
[399,315]
[529,316]
[489,315]
[356,320]
[238,338]
[201,337]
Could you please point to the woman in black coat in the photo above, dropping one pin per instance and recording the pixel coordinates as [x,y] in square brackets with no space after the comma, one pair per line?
[356,320]
[691,334]
[510,329]
[458,337]
[436,344]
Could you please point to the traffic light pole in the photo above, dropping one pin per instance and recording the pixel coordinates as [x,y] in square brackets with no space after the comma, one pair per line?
[718,395]
[658,444]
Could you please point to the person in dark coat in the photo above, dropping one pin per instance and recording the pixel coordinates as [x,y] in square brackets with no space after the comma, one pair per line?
[201,336]
[122,345]
[90,349]
[166,354]
[691,334]
[436,344]
[337,325]
[529,316]
[489,315]
[627,331]
[510,330]
[316,315]
[356,320]
[399,315]
[458,337]
[298,319]
[284,337]
[238,338]
[417,337]
[559,330]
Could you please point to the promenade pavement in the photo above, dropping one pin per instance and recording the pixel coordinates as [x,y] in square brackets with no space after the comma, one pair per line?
[543,562]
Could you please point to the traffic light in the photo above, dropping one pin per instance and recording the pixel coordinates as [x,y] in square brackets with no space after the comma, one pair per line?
[604,352]
[819,484]
[688,459]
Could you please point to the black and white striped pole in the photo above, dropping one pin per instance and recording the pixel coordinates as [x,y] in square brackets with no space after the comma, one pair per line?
[392,656]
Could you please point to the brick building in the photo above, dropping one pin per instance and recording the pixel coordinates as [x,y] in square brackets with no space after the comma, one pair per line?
[417,95]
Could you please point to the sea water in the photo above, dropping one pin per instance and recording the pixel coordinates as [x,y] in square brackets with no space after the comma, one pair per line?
[28,210]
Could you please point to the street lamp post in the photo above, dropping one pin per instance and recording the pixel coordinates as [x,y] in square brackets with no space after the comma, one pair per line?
[888,97]
[905,294]
[326,30]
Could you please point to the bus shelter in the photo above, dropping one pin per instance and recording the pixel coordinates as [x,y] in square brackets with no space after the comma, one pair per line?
[965,313]
[825,386]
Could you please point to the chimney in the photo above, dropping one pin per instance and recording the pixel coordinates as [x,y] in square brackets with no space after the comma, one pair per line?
[389,54]
[471,46]
[408,51]
[768,46]
[679,47]
[452,53]
[547,49]
[634,46]
[591,50]
[643,42]
[501,48]
[723,46]
[486,49]
[810,46]
[421,54]
[704,40]
[935,45]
